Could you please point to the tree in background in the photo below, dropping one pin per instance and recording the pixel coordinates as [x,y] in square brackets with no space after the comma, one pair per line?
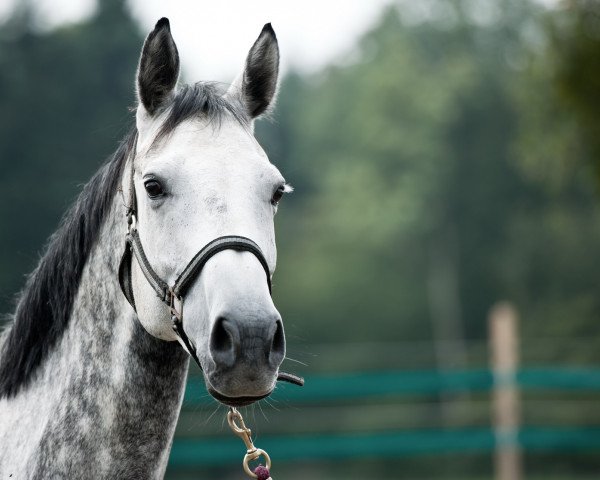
[425,184]
[63,96]
[553,240]
[575,41]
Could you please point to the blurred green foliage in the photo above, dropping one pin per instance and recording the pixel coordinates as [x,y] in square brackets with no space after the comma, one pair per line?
[575,40]
[449,148]
[451,161]
[446,152]
[64,97]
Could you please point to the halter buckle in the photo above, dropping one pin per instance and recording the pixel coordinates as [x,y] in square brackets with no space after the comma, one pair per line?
[175,305]
[131,222]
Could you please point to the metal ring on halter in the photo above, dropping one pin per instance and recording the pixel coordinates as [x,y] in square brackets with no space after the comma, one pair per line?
[175,305]
[133,224]
[257,453]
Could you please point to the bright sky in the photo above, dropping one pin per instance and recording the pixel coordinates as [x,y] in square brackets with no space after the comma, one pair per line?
[214,37]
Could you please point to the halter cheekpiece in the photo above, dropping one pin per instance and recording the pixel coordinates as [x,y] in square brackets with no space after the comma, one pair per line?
[173,296]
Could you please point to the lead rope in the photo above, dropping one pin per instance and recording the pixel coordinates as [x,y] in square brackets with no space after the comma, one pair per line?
[236,423]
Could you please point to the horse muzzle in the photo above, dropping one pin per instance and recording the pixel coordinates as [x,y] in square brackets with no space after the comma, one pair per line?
[245,355]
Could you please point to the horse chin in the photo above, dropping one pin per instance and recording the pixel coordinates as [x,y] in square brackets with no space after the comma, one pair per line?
[235,401]
[222,390]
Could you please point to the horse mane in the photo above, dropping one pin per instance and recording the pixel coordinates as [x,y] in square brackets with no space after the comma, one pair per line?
[45,303]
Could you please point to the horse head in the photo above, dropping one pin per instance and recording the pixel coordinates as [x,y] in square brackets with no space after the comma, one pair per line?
[199,174]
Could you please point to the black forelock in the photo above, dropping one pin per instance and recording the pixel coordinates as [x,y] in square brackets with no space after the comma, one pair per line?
[45,303]
[201,99]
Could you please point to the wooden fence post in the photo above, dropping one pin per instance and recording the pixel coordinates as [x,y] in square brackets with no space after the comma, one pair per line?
[504,345]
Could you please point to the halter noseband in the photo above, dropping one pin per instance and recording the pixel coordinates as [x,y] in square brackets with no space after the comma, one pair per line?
[173,296]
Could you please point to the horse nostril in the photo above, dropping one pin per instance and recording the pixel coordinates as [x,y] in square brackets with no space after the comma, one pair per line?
[277,346]
[222,343]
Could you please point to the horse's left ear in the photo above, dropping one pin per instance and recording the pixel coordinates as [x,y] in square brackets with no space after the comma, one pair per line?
[257,85]
[159,67]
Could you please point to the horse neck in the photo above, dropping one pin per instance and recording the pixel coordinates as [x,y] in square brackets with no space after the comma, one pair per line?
[114,390]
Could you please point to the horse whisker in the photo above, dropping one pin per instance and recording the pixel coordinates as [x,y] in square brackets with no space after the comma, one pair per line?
[212,414]
[296,360]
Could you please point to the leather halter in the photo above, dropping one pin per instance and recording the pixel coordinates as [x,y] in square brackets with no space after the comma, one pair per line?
[173,296]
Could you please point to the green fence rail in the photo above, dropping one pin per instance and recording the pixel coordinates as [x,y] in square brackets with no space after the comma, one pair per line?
[351,387]
[360,387]
[223,451]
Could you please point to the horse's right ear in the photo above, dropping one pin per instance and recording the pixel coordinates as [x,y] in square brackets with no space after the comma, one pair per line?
[158,70]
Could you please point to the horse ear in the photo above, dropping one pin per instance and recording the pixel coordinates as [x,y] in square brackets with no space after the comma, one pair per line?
[258,82]
[158,70]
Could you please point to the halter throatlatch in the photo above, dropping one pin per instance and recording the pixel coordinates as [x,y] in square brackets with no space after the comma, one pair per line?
[173,296]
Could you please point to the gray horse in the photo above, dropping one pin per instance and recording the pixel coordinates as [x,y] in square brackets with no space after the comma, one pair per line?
[90,387]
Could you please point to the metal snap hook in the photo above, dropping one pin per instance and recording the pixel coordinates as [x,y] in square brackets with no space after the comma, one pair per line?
[237,425]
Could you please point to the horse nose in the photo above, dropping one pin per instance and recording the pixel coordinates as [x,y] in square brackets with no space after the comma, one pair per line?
[255,343]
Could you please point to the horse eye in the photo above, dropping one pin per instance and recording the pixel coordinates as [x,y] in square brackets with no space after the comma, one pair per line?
[277,195]
[153,188]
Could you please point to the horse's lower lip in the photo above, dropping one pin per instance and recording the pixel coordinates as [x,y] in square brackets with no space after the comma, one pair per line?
[235,401]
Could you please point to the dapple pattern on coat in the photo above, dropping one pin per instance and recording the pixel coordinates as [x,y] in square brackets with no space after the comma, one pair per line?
[109,394]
